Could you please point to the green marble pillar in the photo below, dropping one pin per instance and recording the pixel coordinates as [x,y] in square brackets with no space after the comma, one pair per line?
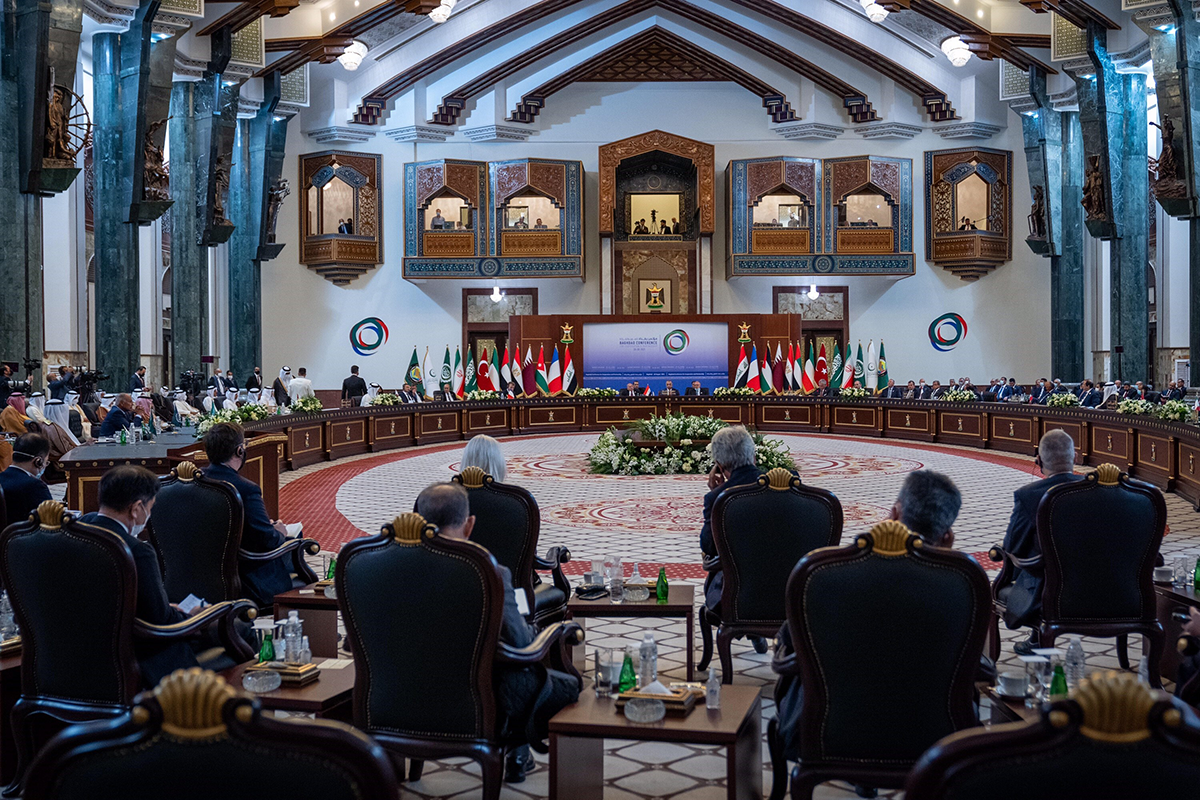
[1067,347]
[189,259]
[245,278]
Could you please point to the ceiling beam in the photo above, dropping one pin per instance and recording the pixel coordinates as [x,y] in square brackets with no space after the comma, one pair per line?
[1077,12]
[246,13]
[980,40]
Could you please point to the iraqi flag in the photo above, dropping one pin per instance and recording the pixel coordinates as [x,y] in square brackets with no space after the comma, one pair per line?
[743,370]
[767,384]
[646,392]
[541,380]
[554,376]
[483,375]
[506,373]
[754,381]
[778,370]
[569,384]
[789,369]
[529,374]
[822,367]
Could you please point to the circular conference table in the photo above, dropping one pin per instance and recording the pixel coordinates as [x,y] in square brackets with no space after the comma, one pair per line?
[1166,454]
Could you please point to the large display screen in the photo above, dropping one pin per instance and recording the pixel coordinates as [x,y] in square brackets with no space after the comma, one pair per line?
[615,353]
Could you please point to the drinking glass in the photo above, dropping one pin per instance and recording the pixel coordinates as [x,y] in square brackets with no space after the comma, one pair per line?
[1183,575]
[605,660]
[616,589]
[1046,676]
[1033,679]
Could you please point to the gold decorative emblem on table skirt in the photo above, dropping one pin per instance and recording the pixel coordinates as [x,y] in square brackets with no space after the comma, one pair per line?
[1012,431]
[907,421]
[853,417]
[487,419]
[1110,442]
[347,433]
[787,415]
[1153,454]
[551,419]
[960,424]
[306,438]
[439,423]
[393,427]
[625,414]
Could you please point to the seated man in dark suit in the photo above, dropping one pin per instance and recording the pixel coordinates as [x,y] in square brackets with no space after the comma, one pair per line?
[733,465]
[526,700]
[126,499]
[669,390]
[24,489]
[824,389]
[1010,389]
[1089,395]
[1040,393]
[120,416]
[892,391]
[927,505]
[445,394]
[695,390]
[1056,458]
[225,445]
[354,387]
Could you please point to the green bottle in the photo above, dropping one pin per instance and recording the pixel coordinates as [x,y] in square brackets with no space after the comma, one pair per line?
[123,438]
[1196,576]
[267,653]
[332,566]
[661,589]
[1058,684]
[628,680]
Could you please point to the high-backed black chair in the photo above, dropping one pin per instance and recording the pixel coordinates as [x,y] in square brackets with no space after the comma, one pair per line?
[1113,738]
[1188,690]
[887,634]
[195,738]
[423,615]
[507,523]
[1099,539]
[761,530]
[73,588]
[196,527]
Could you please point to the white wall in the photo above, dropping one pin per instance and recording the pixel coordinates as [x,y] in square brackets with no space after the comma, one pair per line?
[307,319]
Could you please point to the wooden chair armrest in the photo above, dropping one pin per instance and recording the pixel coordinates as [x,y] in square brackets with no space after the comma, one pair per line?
[311,546]
[550,637]
[711,563]
[785,663]
[1033,564]
[555,558]
[225,610]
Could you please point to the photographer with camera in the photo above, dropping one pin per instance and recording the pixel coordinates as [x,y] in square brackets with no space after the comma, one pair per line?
[8,386]
[64,384]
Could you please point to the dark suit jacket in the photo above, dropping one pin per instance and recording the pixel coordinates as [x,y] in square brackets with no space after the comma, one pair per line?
[156,660]
[136,383]
[740,476]
[117,419]
[691,390]
[353,386]
[923,392]
[1039,394]
[254,382]
[263,582]
[1090,398]
[828,391]
[896,393]
[1024,600]
[22,493]
[60,387]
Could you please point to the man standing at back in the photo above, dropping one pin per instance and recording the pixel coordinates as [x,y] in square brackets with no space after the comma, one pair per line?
[137,381]
[24,489]
[300,387]
[354,387]
[225,445]
[1023,599]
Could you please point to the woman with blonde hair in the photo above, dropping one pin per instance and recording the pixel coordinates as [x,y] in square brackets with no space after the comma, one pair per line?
[484,452]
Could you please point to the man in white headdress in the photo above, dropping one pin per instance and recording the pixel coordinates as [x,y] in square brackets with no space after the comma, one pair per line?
[209,401]
[38,401]
[85,425]
[279,389]
[372,392]
[231,399]
[58,415]
[255,397]
[183,409]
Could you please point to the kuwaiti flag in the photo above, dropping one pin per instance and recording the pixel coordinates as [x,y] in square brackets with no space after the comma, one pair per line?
[808,381]
[483,375]
[777,371]
[882,366]
[768,379]
[529,374]
[429,376]
[743,370]
[860,366]
[822,367]
[872,368]
[459,375]
[835,367]
[569,384]
[541,379]
[494,370]
[506,374]
[754,381]
[789,369]
[554,376]
[472,381]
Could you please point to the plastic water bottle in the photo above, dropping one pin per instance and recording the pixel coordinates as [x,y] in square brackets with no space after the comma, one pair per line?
[292,638]
[8,622]
[305,651]
[649,660]
[712,689]
[1076,663]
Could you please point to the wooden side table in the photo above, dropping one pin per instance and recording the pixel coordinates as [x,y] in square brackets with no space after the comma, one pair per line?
[319,614]
[328,696]
[680,604]
[577,735]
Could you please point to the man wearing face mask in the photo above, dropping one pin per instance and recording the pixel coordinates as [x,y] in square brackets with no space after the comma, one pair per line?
[255,380]
[225,445]
[22,482]
[126,498]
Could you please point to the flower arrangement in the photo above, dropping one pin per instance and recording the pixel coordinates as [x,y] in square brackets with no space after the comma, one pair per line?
[250,412]
[677,428]
[853,393]
[482,394]
[733,391]
[1175,411]
[958,396]
[307,405]
[615,454]
[1131,406]
[1062,400]
[588,392]
[385,399]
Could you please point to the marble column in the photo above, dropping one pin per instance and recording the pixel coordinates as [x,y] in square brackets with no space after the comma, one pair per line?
[1067,346]
[189,259]
[20,239]
[245,277]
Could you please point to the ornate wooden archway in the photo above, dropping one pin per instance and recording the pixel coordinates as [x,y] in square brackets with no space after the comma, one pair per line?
[699,153]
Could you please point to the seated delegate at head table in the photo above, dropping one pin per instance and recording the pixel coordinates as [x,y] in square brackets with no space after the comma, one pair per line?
[120,416]
[695,390]
[669,390]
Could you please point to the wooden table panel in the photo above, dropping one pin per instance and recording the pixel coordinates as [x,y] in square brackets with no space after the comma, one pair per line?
[306,444]
[781,417]
[487,420]
[1110,444]
[855,419]
[347,437]
[908,423]
[1155,460]
[608,415]
[1187,483]
[438,426]
[1016,434]
[554,417]
[961,427]
[391,431]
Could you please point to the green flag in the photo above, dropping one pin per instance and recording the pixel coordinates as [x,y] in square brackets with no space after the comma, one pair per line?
[835,368]
[447,373]
[496,376]
[472,385]
[860,366]
[413,375]
[881,367]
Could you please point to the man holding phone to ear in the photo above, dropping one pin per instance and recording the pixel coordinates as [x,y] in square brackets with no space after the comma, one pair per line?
[24,489]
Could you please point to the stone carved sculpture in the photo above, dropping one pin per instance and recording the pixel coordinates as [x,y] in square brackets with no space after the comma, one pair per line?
[155,178]
[1037,215]
[1166,182]
[1093,189]
[68,126]
[278,191]
[221,174]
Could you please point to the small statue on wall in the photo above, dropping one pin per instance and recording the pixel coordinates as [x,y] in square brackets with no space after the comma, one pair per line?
[221,174]
[1037,215]
[155,178]
[278,191]
[1165,181]
[57,145]
[1093,189]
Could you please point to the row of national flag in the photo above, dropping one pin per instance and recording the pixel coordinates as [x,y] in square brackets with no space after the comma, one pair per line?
[513,376]
[794,373]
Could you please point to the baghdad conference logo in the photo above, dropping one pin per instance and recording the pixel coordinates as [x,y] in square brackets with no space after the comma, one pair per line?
[676,341]
[368,335]
[947,331]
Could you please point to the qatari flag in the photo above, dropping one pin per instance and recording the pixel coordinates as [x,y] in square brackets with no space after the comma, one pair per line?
[529,373]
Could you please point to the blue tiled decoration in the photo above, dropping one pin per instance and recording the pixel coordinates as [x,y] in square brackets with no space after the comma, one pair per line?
[568,267]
